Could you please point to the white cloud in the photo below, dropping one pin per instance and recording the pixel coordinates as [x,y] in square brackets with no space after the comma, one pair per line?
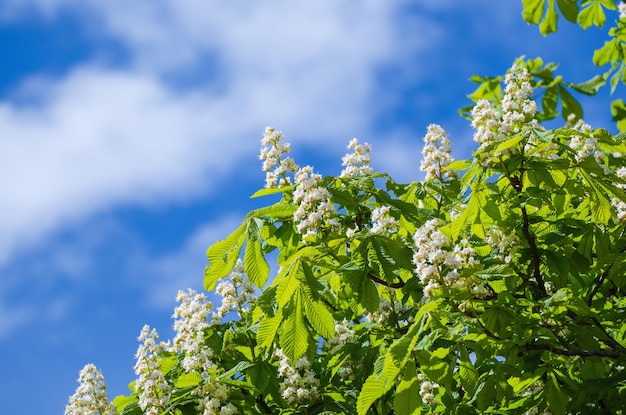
[100,137]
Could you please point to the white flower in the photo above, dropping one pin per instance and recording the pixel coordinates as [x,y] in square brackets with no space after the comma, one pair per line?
[437,154]
[382,221]
[439,264]
[622,10]
[315,210]
[190,322]
[358,162]
[90,396]
[151,386]
[275,166]
[503,246]
[299,383]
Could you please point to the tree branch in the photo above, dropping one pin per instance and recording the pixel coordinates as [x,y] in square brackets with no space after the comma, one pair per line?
[374,278]
[614,354]
[539,286]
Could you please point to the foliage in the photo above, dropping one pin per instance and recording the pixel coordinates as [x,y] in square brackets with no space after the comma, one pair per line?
[495,285]
[588,13]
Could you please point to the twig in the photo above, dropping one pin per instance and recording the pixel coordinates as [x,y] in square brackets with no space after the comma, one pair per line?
[399,284]
[571,351]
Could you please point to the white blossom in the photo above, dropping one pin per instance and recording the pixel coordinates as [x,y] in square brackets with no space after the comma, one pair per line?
[357,163]
[503,246]
[151,386]
[438,263]
[426,390]
[437,154]
[237,293]
[299,383]
[622,10]
[275,165]
[315,210]
[517,108]
[382,221]
[190,322]
[90,397]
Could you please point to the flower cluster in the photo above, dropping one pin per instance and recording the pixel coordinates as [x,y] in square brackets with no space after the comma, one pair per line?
[386,308]
[426,390]
[517,109]
[315,210]
[437,154]
[151,386]
[586,144]
[619,205]
[275,166]
[90,396]
[502,245]
[299,383]
[357,163]
[343,335]
[382,221]
[622,10]
[236,291]
[190,321]
[213,398]
[437,265]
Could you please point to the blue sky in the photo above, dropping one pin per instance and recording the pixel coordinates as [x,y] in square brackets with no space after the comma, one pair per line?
[129,137]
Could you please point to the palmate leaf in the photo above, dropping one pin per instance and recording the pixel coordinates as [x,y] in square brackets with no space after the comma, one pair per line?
[555,396]
[222,257]
[407,400]
[318,315]
[255,265]
[294,333]
[380,382]
[268,329]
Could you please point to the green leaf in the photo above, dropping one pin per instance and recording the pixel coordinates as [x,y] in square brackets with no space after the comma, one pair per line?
[255,265]
[533,10]
[556,397]
[368,295]
[222,257]
[592,14]
[268,328]
[569,9]
[294,334]
[549,101]
[271,191]
[318,316]
[407,400]
[287,282]
[373,388]
[121,401]
[570,104]
[188,380]
[590,87]
[549,23]
[618,111]
[467,373]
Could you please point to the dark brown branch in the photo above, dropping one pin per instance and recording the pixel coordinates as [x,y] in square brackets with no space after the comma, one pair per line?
[609,341]
[261,402]
[600,280]
[399,284]
[614,354]
[539,286]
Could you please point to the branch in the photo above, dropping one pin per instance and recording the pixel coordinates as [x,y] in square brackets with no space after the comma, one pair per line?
[601,279]
[539,286]
[571,351]
[399,284]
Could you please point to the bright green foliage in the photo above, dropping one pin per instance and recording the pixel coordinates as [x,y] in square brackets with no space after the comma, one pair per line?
[531,325]
[497,286]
